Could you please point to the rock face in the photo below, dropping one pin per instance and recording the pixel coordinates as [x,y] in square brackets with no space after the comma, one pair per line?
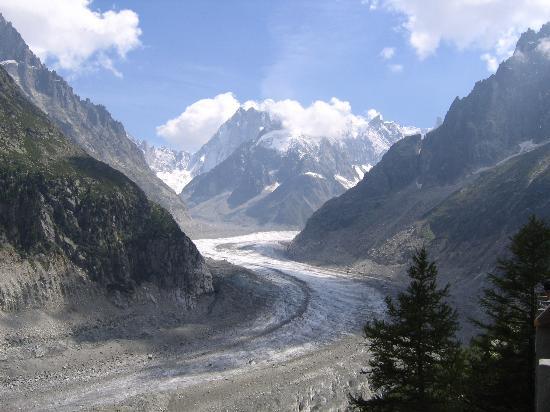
[462,190]
[87,124]
[243,126]
[71,225]
[276,177]
[177,168]
[170,165]
[475,222]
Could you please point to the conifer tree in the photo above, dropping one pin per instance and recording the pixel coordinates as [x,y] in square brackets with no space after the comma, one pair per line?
[502,357]
[416,358]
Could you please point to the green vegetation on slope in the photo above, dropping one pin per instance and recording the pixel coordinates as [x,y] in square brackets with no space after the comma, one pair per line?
[57,200]
[416,358]
[416,362]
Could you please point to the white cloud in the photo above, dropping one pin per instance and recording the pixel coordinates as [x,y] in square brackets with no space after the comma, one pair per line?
[72,35]
[199,121]
[544,47]
[373,113]
[395,68]
[387,53]
[320,119]
[489,25]
[491,61]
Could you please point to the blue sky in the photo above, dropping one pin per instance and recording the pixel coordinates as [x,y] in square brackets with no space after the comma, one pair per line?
[304,50]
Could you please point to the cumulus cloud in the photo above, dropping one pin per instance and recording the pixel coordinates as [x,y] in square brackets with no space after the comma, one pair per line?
[372,114]
[199,121]
[71,35]
[492,26]
[320,119]
[387,53]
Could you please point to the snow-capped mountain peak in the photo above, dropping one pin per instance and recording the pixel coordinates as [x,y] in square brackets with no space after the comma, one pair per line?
[244,125]
[171,166]
[280,174]
[284,140]
[177,168]
[262,137]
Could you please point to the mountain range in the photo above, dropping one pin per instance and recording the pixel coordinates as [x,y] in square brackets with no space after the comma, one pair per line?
[373,193]
[256,173]
[462,190]
[278,178]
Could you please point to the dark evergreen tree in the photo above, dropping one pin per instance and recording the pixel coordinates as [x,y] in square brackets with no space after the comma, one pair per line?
[502,357]
[416,359]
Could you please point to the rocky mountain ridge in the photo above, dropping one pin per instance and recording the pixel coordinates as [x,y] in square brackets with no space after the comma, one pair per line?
[243,126]
[278,178]
[72,227]
[170,165]
[462,190]
[85,123]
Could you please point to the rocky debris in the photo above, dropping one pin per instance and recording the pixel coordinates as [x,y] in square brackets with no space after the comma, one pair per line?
[49,356]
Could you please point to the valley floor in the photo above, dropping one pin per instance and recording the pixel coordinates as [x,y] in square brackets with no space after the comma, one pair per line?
[278,335]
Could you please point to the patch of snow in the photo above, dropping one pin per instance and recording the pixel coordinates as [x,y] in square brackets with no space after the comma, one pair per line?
[278,140]
[348,184]
[176,179]
[335,297]
[283,141]
[409,130]
[6,62]
[315,175]
[203,158]
[527,146]
[272,188]
[524,147]
[361,170]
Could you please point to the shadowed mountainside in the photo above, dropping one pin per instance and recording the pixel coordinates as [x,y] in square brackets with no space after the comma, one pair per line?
[462,190]
[88,125]
[72,227]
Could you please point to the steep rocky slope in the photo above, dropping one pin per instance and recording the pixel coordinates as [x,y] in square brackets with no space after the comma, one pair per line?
[87,124]
[177,168]
[72,227]
[473,224]
[505,115]
[243,126]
